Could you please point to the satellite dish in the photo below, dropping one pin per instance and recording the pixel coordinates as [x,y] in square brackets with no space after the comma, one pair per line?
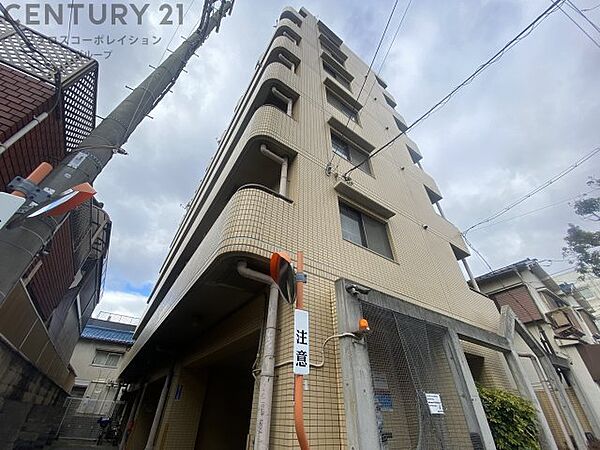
[284,275]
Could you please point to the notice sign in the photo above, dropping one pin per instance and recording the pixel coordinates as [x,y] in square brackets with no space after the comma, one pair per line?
[301,352]
[434,401]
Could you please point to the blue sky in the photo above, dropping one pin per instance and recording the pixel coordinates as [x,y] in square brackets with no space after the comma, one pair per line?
[525,119]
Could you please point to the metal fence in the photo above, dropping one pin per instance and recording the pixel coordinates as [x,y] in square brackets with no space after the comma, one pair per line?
[82,415]
[416,398]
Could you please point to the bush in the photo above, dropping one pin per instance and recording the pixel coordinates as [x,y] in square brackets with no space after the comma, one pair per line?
[512,419]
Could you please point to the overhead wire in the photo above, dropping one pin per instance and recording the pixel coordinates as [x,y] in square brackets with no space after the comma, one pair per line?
[521,35]
[534,191]
[533,211]
[580,12]
[371,65]
[70,22]
[596,43]
[382,64]
[592,8]
[163,56]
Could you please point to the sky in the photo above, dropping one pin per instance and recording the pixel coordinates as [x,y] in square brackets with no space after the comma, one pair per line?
[525,119]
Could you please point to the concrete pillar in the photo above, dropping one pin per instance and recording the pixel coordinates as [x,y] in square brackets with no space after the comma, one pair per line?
[467,390]
[526,390]
[506,328]
[159,411]
[359,399]
[132,417]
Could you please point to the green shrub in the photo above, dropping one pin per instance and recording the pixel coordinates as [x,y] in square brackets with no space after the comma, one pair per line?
[512,419]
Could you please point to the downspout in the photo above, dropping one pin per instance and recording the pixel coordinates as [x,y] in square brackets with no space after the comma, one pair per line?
[471,277]
[267,367]
[546,384]
[284,169]
[290,65]
[284,98]
[23,131]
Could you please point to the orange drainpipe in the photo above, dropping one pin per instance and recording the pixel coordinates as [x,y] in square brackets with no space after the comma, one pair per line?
[298,379]
[38,174]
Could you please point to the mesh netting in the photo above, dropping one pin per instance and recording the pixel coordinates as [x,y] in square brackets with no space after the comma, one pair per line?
[409,364]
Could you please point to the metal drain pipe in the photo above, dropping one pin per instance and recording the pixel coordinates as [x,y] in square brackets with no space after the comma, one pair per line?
[284,168]
[267,366]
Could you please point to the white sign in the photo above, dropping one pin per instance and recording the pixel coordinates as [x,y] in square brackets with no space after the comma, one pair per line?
[9,204]
[301,350]
[434,401]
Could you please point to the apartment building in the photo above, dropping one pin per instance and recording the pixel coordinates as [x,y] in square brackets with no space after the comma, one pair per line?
[42,317]
[586,288]
[376,245]
[563,326]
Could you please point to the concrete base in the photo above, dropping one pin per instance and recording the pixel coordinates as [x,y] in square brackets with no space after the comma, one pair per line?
[30,404]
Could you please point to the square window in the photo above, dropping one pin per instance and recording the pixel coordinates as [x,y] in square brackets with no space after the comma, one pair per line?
[107,359]
[349,152]
[342,106]
[364,230]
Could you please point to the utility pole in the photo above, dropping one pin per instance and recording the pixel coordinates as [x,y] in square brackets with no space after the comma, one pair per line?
[20,245]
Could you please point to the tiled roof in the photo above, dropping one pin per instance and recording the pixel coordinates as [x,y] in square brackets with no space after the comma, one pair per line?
[107,335]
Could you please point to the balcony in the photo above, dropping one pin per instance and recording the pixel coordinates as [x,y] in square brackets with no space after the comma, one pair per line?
[291,14]
[208,287]
[287,26]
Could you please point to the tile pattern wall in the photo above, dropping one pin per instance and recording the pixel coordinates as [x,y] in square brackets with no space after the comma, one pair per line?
[424,270]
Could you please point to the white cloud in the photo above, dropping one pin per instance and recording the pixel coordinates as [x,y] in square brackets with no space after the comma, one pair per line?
[126,303]
[528,116]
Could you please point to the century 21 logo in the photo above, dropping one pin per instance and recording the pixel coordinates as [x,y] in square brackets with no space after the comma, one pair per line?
[96,13]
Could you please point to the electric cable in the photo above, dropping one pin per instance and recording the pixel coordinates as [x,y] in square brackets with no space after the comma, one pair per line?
[587,19]
[70,21]
[391,44]
[534,191]
[523,34]
[580,27]
[506,289]
[163,56]
[371,65]
[561,202]
[592,8]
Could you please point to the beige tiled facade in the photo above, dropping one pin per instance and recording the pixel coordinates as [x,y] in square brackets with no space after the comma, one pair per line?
[226,222]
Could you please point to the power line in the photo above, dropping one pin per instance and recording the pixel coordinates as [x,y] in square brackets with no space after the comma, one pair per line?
[391,43]
[523,34]
[561,202]
[375,54]
[505,288]
[370,66]
[592,8]
[535,191]
[580,27]
[587,19]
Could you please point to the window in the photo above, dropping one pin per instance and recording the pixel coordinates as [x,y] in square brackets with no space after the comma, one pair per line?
[334,74]
[331,52]
[349,152]
[342,106]
[107,359]
[365,231]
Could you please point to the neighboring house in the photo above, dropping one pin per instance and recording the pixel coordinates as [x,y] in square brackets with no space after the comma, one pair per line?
[96,360]
[211,365]
[562,325]
[585,288]
[42,317]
